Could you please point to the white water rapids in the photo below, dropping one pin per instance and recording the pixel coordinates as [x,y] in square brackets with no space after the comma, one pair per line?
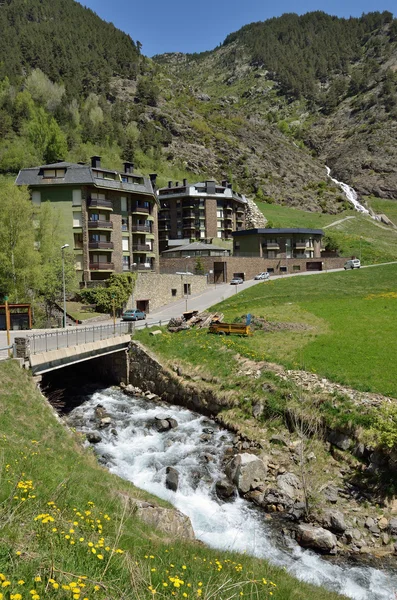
[350,193]
[140,454]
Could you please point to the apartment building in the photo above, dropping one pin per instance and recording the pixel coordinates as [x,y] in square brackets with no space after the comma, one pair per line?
[199,212]
[108,218]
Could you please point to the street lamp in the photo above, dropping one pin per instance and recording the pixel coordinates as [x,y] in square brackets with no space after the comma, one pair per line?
[63,282]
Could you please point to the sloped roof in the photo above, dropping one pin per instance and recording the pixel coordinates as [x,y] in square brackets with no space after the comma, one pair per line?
[77,174]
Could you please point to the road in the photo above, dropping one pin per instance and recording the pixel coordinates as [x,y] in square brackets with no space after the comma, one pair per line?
[199,302]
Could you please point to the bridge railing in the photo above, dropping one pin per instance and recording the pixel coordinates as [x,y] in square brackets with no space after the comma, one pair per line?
[73,336]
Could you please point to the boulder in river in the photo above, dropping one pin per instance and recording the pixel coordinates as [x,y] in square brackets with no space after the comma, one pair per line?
[171,479]
[93,437]
[316,538]
[225,490]
[100,412]
[247,471]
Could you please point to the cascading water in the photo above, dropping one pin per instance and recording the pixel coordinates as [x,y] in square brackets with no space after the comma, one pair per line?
[139,453]
[350,194]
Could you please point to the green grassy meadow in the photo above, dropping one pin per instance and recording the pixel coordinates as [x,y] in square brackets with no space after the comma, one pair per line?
[344,328]
[68,528]
[351,318]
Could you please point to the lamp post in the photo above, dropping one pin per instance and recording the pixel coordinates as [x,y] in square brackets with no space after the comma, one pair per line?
[63,282]
[8,326]
[187,285]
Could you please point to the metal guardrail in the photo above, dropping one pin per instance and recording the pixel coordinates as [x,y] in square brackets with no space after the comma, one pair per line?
[73,336]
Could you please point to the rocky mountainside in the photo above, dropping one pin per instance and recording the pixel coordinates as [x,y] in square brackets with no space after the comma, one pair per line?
[273,124]
[267,110]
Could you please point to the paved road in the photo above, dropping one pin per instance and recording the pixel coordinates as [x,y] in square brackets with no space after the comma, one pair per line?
[199,302]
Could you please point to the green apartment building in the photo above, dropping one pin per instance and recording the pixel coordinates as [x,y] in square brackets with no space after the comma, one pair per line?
[108,218]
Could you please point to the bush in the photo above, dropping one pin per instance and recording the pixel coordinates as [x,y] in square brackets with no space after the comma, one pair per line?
[116,292]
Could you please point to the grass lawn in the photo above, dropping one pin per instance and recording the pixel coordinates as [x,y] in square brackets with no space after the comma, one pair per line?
[387,207]
[351,319]
[81,312]
[284,216]
[69,529]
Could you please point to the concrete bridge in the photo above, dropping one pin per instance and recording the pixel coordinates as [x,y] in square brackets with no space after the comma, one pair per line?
[45,352]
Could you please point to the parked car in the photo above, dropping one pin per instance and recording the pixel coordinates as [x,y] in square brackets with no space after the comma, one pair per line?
[354,263]
[262,276]
[236,281]
[133,315]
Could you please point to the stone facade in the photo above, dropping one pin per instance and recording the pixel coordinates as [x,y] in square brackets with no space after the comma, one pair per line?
[225,268]
[157,290]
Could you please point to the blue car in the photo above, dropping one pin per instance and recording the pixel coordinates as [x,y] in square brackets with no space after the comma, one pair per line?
[133,314]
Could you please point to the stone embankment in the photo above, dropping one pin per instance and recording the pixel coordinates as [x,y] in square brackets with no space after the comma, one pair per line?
[274,471]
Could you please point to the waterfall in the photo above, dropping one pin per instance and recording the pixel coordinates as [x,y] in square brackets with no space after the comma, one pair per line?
[350,194]
[196,448]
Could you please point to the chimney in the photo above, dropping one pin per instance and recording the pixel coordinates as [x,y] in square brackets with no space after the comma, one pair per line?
[153,178]
[185,182]
[170,184]
[176,183]
[128,167]
[224,183]
[229,185]
[95,162]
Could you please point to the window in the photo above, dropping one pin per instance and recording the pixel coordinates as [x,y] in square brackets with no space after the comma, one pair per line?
[94,216]
[283,269]
[126,244]
[78,240]
[186,289]
[124,225]
[36,198]
[219,234]
[79,262]
[76,199]
[126,263]
[296,268]
[270,270]
[173,292]
[123,204]
[77,219]
[50,173]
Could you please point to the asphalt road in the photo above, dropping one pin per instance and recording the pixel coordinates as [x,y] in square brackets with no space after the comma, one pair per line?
[200,302]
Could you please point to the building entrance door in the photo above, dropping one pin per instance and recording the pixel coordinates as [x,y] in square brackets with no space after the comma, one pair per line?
[143,305]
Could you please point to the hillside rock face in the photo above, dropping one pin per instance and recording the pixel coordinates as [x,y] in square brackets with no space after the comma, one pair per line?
[275,138]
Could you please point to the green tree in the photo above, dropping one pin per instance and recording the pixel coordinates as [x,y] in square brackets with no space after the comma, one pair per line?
[49,241]
[19,260]
[46,136]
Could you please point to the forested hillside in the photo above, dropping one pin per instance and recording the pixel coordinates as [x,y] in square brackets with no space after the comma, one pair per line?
[266,110]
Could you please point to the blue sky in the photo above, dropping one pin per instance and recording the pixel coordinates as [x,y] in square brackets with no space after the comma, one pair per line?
[198,25]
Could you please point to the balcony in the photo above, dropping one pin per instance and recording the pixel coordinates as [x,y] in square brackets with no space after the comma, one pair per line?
[164,217]
[100,224]
[141,228]
[141,248]
[271,246]
[100,245]
[302,246]
[190,226]
[97,203]
[142,267]
[164,227]
[189,215]
[240,209]
[228,207]
[101,266]
[141,209]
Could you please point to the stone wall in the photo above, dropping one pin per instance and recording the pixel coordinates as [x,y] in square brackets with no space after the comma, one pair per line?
[251,266]
[149,375]
[158,289]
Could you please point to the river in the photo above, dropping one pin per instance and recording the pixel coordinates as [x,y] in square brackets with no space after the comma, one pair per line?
[140,454]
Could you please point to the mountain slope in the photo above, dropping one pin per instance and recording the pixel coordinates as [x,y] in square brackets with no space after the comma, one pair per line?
[326,84]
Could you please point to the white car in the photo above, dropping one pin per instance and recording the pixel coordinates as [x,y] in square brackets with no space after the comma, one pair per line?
[236,281]
[354,263]
[263,276]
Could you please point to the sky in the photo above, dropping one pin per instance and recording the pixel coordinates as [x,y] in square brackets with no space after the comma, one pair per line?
[199,25]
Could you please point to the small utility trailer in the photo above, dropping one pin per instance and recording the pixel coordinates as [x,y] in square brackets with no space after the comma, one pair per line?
[228,328]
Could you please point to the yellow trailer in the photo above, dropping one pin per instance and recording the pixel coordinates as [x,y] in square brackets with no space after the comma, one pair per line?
[228,328]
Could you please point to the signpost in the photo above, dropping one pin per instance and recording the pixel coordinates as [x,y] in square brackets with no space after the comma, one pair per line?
[8,323]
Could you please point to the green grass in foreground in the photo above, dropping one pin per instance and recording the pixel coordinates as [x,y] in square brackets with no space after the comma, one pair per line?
[69,530]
